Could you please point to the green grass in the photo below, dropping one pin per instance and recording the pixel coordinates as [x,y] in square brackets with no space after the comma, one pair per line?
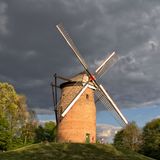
[70,151]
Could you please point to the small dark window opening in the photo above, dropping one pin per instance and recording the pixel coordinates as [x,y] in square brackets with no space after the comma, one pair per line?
[87,96]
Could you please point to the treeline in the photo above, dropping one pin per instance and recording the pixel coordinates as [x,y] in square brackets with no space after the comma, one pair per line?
[18,125]
[145,141]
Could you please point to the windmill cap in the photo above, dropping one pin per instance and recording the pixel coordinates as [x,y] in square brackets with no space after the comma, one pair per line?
[79,78]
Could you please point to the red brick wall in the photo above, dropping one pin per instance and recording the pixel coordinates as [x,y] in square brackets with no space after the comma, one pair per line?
[80,119]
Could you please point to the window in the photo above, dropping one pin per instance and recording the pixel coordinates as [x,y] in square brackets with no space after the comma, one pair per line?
[87,96]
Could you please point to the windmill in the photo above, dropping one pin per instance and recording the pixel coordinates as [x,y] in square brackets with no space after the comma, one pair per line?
[76,110]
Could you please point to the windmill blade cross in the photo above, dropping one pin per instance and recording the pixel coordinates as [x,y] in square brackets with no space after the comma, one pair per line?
[71,44]
[104,96]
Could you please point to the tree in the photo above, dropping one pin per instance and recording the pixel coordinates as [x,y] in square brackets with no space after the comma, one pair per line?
[5,134]
[28,128]
[39,134]
[22,112]
[32,116]
[151,139]
[13,113]
[20,118]
[8,105]
[18,126]
[128,138]
[28,132]
[46,133]
[50,129]
[118,139]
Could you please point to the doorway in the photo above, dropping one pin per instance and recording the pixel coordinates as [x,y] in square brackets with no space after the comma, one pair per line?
[87,138]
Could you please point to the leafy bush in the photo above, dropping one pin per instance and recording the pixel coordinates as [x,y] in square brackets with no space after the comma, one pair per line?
[128,138]
[151,139]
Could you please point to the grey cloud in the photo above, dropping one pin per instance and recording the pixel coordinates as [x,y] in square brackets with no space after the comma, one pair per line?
[34,50]
[3,19]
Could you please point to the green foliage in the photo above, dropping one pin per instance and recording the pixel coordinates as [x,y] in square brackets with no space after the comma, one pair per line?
[8,107]
[70,151]
[13,115]
[18,126]
[28,132]
[118,139]
[129,137]
[40,134]
[5,134]
[151,139]
[46,133]
[50,129]
[8,100]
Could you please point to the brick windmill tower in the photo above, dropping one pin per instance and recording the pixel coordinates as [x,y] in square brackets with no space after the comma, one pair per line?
[76,110]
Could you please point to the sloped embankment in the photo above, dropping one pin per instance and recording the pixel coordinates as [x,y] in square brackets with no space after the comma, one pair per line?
[69,151]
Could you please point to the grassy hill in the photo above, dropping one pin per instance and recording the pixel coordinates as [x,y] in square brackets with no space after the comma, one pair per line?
[56,151]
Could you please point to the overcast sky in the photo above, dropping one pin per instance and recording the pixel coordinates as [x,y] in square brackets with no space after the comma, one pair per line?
[32,50]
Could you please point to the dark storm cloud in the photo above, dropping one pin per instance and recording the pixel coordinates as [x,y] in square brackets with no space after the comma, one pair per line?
[32,50]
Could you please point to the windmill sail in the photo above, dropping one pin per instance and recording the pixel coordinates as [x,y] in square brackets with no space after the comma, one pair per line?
[108,62]
[110,105]
[71,44]
[69,98]
[74,100]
